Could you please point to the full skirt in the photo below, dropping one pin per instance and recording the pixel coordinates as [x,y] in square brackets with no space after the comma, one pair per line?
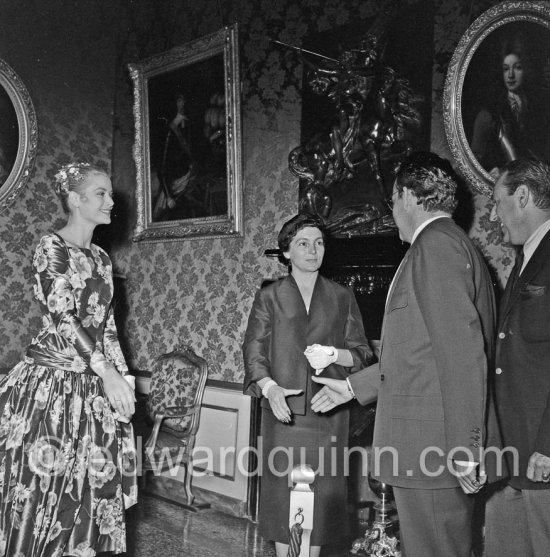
[68,468]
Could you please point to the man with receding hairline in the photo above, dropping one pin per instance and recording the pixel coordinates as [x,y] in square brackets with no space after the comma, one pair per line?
[431,377]
[518,515]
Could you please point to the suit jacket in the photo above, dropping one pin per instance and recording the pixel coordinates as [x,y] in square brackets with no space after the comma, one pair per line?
[431,379]
[279,330]
[522,359]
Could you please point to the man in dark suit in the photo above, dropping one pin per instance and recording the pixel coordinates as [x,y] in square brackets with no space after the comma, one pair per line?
[431,377]
[518,515]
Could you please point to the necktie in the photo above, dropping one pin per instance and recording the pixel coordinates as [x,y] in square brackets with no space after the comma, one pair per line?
[512,283]
[517,268]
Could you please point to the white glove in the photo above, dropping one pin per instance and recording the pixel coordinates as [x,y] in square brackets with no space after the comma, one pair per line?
[320,357]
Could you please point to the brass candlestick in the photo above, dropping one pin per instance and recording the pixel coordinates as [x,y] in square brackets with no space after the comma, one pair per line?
[377,542]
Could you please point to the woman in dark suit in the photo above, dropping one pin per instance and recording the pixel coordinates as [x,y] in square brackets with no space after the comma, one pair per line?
[301,325]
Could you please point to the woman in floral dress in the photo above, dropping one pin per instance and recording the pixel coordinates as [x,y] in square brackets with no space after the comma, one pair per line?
[67,467]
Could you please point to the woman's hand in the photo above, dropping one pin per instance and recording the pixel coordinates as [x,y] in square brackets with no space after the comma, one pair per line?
[320,357]
[277,399]
[119,393]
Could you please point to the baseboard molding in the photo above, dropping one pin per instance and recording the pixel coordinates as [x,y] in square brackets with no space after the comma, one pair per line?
[172,490]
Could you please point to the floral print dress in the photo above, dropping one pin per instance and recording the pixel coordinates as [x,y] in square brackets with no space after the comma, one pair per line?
[68,467]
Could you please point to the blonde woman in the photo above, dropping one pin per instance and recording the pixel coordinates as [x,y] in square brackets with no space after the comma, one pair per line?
[67,459]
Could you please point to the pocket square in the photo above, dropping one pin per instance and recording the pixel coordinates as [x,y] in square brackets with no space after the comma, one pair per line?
[533,290]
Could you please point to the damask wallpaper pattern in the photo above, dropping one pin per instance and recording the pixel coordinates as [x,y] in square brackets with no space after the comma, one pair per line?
[199,291]
[74,110]
[208,286]
[38,212]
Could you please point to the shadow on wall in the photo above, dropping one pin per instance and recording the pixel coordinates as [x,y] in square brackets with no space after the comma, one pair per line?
[465,211]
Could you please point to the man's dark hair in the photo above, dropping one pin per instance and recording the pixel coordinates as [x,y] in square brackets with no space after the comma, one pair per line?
[431,178]
[532,173]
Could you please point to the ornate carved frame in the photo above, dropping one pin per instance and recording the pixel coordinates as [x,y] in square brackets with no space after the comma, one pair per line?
[224,41]
[481,28]
[28,135]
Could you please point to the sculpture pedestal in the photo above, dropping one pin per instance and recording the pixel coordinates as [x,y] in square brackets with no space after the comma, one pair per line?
[367,265]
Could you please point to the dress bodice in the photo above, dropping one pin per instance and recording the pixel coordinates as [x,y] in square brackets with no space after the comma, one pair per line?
[74,288]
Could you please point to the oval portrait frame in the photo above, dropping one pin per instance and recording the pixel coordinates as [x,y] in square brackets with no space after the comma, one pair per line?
[27,135]
[486,24]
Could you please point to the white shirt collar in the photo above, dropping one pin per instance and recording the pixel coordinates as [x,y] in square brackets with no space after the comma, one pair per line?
[425,223]
[533,242]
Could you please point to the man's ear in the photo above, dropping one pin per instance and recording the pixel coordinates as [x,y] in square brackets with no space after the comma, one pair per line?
[522,195]
[409,199]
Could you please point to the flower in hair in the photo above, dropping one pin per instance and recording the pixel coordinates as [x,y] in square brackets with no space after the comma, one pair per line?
[72,170]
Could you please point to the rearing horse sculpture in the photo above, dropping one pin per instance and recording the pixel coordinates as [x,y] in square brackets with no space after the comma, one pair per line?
[373,108]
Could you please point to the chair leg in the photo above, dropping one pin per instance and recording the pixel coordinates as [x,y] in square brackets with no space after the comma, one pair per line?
[187,484]
[191,504]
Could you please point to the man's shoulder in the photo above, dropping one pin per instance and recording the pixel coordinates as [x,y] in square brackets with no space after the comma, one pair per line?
[444,230]
[445,224]
[445,236]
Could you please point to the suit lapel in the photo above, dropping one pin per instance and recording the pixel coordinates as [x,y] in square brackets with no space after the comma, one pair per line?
[391,291]
[508,296]
[537,260]
[321,307]
[317,296]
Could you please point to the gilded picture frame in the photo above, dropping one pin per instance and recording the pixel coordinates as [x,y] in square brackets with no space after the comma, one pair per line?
[477,83]
[187,146]
[19,135]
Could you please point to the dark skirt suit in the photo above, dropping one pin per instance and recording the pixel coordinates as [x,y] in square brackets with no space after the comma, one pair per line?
[279,330]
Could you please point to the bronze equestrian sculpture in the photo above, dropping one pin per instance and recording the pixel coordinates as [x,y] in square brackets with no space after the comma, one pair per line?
[373,107]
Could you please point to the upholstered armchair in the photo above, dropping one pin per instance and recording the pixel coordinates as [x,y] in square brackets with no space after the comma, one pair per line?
[173,406]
